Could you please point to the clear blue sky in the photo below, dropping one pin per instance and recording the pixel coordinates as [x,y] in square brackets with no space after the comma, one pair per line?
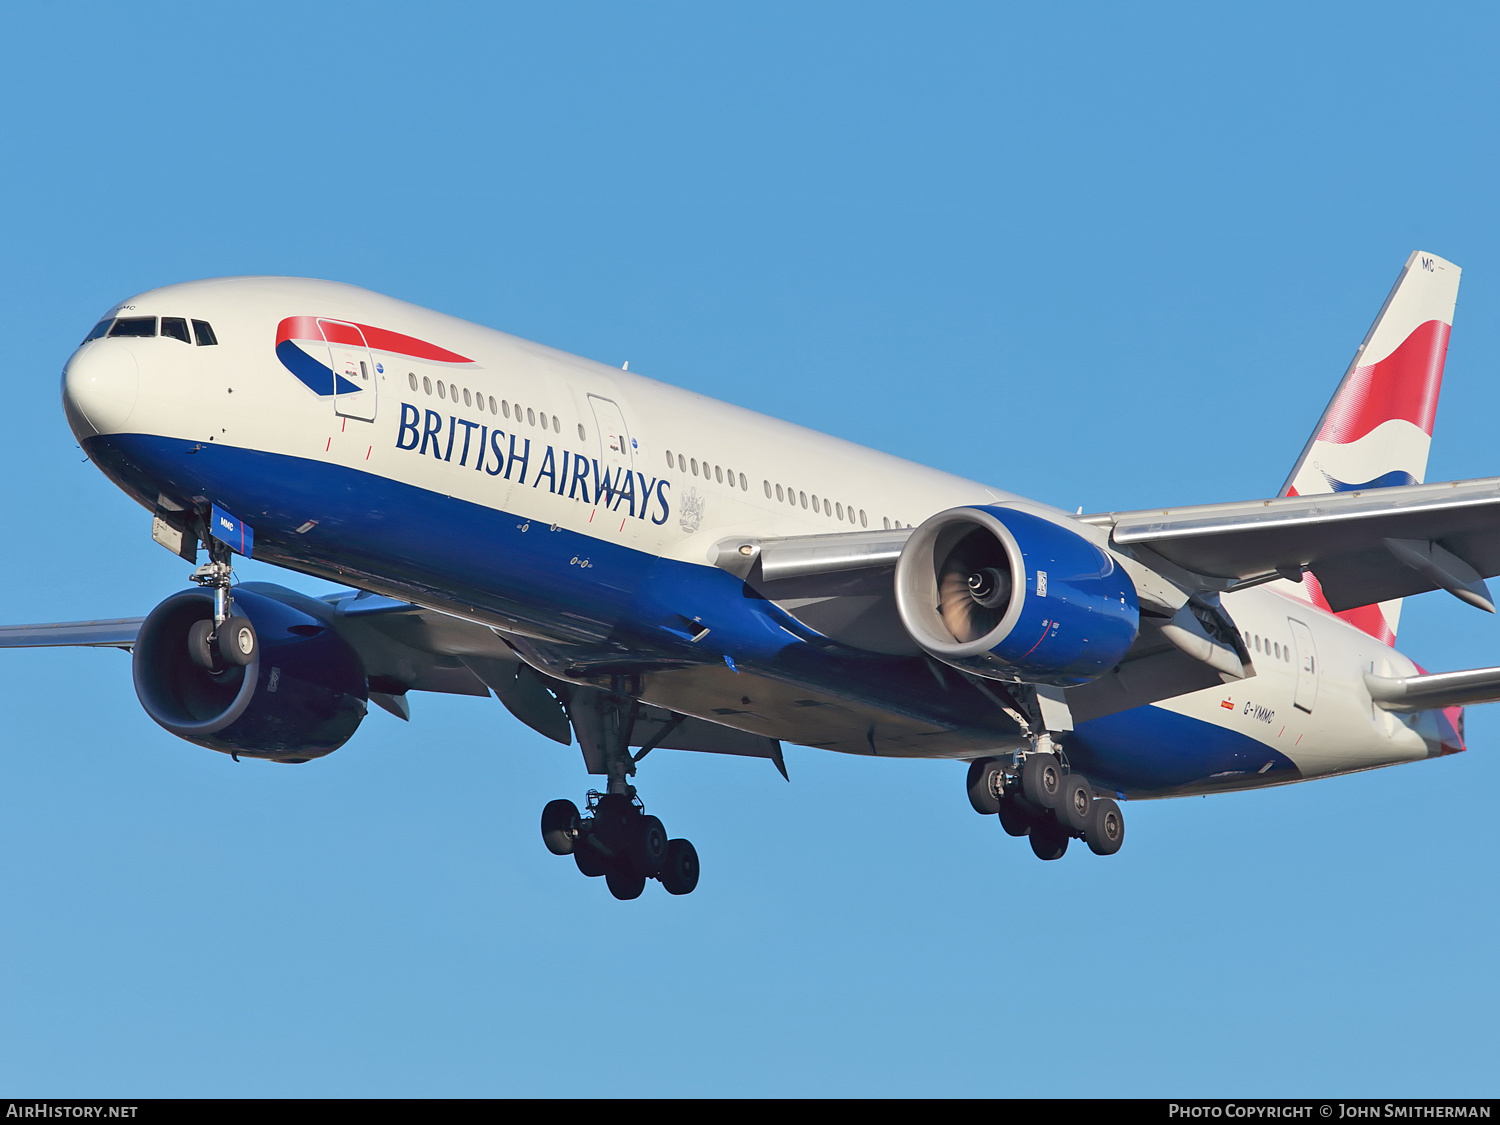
[1106,256]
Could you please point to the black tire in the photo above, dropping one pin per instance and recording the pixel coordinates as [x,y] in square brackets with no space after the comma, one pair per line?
[986,783]
[679,874]
[238,643]
[1048,840]
[1016,817]
[1041,780]
[650,847]
[591,861]
[625,885]
[201,647]
[560,822]
[1106,830]
[1075,804]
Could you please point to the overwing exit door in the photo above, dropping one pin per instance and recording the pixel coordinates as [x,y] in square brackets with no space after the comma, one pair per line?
[354,382]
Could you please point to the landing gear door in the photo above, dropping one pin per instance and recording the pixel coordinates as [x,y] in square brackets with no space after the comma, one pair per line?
[354,394]
[616,450]
[1307,666]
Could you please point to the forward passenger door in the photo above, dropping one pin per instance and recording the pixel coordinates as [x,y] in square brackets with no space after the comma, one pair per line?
[354,382]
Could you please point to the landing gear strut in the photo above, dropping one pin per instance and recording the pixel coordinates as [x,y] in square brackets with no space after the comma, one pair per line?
[228,638]
[614,836]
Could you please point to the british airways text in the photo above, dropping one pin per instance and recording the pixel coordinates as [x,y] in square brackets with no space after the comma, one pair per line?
[497,453]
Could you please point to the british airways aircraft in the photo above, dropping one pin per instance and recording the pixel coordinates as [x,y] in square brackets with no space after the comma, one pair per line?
[640,568]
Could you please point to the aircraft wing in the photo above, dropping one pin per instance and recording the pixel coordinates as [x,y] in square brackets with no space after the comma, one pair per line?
[406,647]
[1364,546]
[118,633]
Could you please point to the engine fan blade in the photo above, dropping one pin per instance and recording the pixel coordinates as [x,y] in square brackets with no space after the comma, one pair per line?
[960,607]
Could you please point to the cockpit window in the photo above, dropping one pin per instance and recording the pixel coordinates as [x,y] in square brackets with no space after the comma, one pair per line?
[99,329]
[205,333]
[175,327]
[134,326]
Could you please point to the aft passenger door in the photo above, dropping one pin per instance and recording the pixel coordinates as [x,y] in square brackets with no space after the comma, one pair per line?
[354,383]
[1307,666]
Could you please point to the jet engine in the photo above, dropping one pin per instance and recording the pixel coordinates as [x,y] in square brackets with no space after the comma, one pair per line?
[1009,595]
[301,695]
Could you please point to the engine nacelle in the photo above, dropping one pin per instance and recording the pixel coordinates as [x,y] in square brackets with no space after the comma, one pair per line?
[1009,595]
[301,697]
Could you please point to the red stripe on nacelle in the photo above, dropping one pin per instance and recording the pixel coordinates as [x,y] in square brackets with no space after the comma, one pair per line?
[1404,384]
[357,335]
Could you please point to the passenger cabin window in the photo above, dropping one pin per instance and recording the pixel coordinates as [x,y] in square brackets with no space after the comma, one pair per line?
[205,333]
[99,329]
[134,326]
[176,328]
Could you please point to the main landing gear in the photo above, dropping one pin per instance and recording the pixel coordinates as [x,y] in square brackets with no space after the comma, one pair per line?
[619,841]
[1038,797]
[614,836]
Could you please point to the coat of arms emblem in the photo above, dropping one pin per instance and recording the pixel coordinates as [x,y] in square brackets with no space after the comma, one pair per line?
[692,512]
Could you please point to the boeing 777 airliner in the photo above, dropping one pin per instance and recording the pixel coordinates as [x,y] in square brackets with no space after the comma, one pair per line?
[639,567]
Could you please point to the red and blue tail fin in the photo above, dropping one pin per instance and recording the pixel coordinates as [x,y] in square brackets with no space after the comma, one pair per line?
[1377,430]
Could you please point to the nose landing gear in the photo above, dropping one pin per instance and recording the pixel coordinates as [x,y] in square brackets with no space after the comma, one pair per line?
[228,638]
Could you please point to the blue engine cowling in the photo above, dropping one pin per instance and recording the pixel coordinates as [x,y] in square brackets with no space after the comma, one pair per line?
[302,696]
[1009,595]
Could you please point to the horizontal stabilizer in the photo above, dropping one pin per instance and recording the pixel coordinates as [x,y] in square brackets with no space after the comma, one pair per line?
[1434,691]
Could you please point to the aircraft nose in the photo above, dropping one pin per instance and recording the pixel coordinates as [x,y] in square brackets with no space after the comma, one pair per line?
[99,388]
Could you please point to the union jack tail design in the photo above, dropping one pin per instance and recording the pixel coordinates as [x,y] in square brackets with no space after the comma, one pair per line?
[1377,431]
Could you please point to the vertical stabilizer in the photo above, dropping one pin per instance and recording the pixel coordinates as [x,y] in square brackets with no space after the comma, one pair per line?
[1377,430]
